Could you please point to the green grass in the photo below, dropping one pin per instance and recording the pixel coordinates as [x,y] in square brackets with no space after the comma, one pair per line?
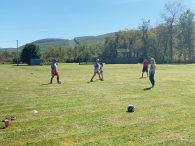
[81,113]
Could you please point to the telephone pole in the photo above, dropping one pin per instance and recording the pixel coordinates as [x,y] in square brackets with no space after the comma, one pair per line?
[17,54]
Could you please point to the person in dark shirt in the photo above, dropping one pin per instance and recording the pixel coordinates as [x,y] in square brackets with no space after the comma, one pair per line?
[96,70]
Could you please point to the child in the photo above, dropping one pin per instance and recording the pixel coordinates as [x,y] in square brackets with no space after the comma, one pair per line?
[54,71]
[145,67]
[101,71]
[96,70]
[152,72]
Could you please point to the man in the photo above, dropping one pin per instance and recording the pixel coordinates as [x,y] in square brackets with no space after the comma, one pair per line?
[96,70]
[145,67]
[54,71]
[152,72]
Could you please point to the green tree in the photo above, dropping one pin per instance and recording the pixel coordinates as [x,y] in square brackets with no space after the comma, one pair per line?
[30,51]
[162,43]
[144,28]
[173,11]
[110,50]
[186,35]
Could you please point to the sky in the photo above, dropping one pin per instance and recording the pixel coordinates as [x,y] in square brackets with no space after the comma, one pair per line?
[30,20]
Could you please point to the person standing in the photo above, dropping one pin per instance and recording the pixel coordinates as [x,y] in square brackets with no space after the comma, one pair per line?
[54,71]
[152,71]
[145,67]
[96,70]
[101,71]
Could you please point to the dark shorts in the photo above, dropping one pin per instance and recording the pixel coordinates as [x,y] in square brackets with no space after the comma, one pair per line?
[145,69]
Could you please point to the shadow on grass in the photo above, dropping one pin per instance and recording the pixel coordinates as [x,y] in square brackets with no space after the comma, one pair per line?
[25,65]
[46,84]
[21,65]
[94,81]
[90,82]
[149,88]
[2,127]
[130,112]
[143,77]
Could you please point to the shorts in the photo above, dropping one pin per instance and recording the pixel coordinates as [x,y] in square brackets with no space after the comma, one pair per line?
[54,73]
[145,69]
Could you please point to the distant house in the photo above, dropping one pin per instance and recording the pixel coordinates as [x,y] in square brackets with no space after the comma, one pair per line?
[122,58]
[132,60]
[35,62]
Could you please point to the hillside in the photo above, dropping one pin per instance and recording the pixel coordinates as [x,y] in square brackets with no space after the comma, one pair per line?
[45,43]
[8,49]
[92,39]
[65,43]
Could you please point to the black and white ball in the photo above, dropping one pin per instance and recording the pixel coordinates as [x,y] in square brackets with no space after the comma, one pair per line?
[130,108]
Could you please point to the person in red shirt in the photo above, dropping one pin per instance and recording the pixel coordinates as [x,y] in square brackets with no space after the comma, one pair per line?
[145,67]
[54,72]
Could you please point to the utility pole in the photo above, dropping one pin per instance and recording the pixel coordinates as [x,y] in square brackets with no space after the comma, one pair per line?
[17,54]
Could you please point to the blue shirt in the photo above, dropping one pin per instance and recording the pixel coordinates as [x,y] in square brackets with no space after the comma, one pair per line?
[96,65]
[53,66]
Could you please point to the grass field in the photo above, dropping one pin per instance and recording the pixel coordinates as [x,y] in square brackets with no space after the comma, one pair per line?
[78,112]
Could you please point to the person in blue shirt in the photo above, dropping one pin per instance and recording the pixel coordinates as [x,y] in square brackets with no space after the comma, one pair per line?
[152,72]
[96,70]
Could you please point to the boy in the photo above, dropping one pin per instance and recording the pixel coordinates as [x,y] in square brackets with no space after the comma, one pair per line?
[152,72]
[96,70]
[145,67]
[54,71]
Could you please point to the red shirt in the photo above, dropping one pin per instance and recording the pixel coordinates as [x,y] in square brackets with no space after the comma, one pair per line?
[145,63]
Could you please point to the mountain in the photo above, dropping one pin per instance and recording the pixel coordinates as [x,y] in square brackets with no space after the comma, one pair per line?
[90,40]
[65,43]
[8,49]
[45,43]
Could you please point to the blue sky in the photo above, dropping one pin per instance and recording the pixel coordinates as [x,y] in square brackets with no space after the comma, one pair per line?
[30,20]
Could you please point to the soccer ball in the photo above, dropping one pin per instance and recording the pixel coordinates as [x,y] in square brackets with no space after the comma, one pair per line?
[130,108]
[59,82]
[34,111]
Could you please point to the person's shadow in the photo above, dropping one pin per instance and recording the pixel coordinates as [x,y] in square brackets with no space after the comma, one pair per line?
[149,88]
[143,77]
[46,84]
[2,127]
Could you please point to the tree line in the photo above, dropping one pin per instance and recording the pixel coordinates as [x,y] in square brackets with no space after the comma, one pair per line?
[171,41]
